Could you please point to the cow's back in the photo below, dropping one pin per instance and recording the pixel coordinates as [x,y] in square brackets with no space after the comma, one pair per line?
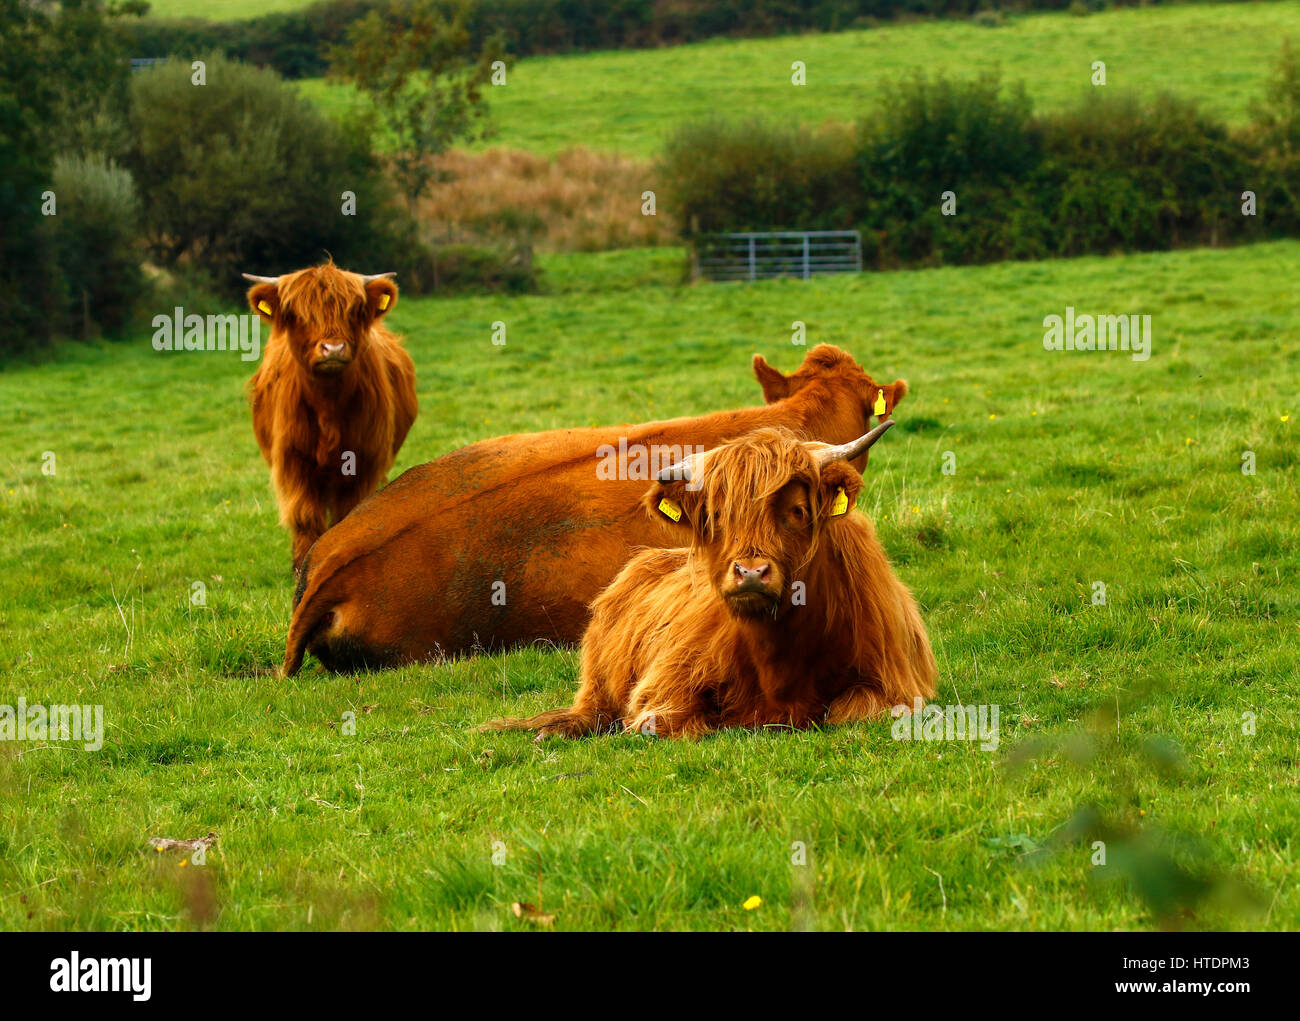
[500,543]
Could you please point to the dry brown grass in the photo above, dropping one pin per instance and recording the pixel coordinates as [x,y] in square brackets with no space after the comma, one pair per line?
[576,201]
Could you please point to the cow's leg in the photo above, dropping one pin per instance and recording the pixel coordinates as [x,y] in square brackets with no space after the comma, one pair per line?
[304,536]
[658,707]
[306,519]
[302,504]
[579,720]
[860,702]
[598,704]
[671,722]
[589,714]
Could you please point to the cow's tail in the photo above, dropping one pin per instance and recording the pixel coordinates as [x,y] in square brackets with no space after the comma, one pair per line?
[310,607]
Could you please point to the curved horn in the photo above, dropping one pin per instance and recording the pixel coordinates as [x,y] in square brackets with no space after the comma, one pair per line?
[682,470]
[260,280]
[854,448]
[377,276]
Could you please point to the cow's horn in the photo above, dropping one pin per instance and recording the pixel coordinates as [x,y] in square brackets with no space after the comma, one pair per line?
[377,276]
[675,472]
[260,280]
[854,448]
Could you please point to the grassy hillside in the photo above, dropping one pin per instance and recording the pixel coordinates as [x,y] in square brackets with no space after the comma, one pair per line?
[1072,468]
[221,10]
[629,101]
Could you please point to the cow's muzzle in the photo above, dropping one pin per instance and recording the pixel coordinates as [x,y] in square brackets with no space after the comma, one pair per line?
[332,358]
[751,576]
[753,586]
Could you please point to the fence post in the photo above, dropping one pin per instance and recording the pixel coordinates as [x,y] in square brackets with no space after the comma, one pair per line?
[752,267]
[806,272]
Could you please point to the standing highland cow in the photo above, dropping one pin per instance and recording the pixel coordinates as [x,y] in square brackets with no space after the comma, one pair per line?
[783,610]
[334,396]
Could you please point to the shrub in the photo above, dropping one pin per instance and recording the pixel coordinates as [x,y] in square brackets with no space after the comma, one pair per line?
[759,175]
[241,175]
[1139,176]
[1110,174]
[454,268]
[293,43]
[964,137]
[95,239]
[1276,135]
[29,292]
[89,74]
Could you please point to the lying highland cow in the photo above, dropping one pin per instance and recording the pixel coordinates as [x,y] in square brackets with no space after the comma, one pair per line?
[507,541]
[334,396]
[782,611]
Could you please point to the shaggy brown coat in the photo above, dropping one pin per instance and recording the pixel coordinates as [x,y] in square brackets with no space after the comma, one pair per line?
[507,541]
[333,398]
[780,612]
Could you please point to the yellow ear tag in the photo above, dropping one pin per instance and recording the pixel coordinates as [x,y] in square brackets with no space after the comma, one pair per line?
[383,301]
[669,509]
[841,504]
[264,307]
[879,407]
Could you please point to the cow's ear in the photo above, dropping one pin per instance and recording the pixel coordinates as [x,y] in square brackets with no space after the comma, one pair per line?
[673,505]
[837,492]
[382,296]
[264,299]
[884,399]
[776,387]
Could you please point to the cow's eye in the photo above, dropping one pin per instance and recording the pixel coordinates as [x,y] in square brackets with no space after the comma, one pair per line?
[799,514]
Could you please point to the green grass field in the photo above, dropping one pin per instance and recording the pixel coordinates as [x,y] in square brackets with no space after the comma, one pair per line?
[629,101]
[221,10]
[1071,468]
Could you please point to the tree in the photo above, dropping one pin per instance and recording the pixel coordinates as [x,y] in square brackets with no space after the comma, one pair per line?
[1277,130]
[244,175]
[417,66]
[28,293]
[87,43]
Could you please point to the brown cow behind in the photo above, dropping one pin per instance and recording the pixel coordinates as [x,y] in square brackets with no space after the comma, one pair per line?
[334,396]
[783,611]
[507,541]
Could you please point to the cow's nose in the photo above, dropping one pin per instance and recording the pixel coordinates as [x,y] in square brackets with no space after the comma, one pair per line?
[332,349]
[751,572]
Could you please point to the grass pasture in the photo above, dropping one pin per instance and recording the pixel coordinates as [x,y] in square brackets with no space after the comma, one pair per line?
[1071,468]
[629,101]
[221,10]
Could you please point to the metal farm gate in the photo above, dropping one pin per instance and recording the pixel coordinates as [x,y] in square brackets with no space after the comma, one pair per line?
[783,253]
